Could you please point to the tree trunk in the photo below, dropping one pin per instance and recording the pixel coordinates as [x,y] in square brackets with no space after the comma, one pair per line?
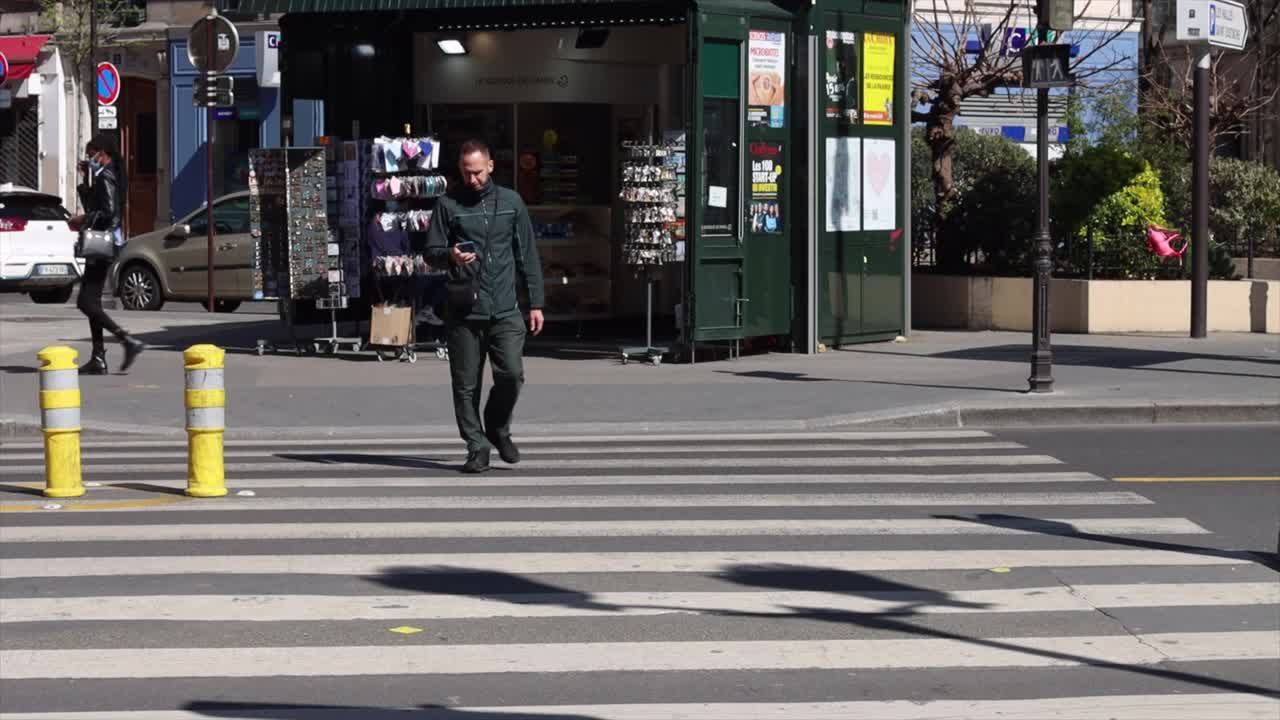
[940,134]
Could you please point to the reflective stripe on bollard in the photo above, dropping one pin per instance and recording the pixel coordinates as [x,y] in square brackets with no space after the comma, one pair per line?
[206,401]
[60,419]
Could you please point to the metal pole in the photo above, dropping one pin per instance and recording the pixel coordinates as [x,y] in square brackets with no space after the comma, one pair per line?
[1041,380]
[904,112]
[209,159]
[648,316]
[1200,202]
[93,71]
[1249,268]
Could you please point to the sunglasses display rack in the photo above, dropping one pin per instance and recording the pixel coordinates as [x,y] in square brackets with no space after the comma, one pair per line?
[649,196]
[293,205]
[289,221]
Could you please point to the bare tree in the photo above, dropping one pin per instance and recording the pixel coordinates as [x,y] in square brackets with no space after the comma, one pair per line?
[947,70]
[72,23]
[1240,83]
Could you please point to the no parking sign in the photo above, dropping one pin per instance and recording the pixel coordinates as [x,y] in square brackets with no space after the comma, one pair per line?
[108,84]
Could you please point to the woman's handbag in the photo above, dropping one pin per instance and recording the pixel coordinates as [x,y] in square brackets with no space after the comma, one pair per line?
[96,245]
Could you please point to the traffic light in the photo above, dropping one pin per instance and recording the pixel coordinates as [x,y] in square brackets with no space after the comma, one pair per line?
[1058,15]
[214,91]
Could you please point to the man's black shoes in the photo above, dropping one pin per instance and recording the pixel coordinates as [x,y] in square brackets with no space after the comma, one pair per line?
[507,450]
[477,462]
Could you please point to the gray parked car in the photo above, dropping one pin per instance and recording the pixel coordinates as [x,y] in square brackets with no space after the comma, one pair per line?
[172,263]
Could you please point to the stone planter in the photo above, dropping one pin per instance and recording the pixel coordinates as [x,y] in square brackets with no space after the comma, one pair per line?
[1092,306]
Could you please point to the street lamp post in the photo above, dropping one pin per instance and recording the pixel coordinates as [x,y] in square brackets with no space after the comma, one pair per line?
[1041,380]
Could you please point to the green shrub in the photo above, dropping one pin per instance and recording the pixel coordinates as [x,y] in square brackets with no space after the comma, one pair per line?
[1244,202]
[993,211]
[1118,228]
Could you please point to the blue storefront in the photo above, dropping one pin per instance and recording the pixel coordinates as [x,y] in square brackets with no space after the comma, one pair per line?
[254,122]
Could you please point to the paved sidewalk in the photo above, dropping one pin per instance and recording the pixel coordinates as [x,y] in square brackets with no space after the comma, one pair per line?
[935,379]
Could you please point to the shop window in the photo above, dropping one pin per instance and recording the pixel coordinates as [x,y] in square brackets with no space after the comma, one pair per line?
[720,216]
[235,134]
[562,156]
[494,124]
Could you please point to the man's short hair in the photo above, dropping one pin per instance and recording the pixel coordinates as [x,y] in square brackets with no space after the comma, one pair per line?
[475,146]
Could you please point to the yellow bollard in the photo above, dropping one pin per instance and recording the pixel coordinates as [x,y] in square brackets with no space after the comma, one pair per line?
[206,420]
[60,418]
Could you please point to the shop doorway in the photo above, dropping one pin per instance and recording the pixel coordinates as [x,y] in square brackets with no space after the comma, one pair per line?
[138,147]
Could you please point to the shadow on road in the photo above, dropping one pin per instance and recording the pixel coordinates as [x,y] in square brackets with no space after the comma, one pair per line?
[396,461]
[782,376]
[1061,529]
[812,578]
[252,711]
[469,582]
[1114,358]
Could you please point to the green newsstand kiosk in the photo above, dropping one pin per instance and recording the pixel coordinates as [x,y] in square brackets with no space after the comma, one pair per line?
[794,115]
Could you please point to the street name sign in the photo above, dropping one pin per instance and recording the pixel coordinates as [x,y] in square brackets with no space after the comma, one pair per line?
[1221,23]
[1047,66]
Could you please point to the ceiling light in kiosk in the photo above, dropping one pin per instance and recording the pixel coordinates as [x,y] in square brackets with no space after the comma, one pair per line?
[452,46]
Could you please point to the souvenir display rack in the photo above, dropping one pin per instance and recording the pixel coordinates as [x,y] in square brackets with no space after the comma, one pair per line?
[296,256]
[404,170]
[649,185]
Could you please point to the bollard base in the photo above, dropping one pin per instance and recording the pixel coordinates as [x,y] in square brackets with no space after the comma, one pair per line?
[62,477]
[206,476]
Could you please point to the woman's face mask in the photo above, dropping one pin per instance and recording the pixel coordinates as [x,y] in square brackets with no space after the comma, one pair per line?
[94,163]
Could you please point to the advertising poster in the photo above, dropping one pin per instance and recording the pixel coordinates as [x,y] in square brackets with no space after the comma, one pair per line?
[877,78]
[766,187]
[844,184]
[841,76]
[879,185]
[766,101]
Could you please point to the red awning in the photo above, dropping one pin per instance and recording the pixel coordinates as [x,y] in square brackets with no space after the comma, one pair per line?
[22,52]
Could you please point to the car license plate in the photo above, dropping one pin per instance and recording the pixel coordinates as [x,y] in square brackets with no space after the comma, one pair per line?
[53,270]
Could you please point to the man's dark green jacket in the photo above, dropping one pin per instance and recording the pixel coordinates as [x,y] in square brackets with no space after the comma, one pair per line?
[497,221]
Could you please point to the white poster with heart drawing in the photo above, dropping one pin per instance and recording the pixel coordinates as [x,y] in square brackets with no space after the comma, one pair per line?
[879,184]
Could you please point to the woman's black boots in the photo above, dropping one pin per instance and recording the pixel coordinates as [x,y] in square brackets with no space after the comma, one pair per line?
[97,364]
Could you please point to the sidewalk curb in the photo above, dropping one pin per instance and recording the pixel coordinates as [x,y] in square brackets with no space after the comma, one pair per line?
[987,416]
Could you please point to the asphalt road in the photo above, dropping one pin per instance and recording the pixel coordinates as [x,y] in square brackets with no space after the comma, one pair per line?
[913,574]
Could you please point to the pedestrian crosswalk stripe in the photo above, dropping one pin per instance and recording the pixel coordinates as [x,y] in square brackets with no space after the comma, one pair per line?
[322,608]
[549,481]
[1184,706]
[639,437]
[1117,527]
[311,661]
[344,462]
[590,562]
[506,502]
[584,450]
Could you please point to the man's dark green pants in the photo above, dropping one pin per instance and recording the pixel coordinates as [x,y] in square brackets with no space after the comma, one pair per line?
[470,341]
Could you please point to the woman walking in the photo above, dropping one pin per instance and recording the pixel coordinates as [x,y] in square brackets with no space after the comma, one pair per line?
[102,188]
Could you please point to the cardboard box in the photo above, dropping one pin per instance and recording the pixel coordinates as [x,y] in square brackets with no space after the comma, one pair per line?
[389,325]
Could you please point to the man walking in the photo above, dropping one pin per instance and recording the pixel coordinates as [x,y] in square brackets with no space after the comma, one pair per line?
[484,232]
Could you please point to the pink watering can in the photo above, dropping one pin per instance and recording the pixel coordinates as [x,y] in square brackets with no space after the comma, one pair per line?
[1160,241]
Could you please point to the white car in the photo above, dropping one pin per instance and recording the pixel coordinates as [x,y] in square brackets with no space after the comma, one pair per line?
[37,245]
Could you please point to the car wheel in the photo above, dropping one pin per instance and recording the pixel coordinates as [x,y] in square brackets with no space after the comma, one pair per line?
[52,297]
[140,288]
[222,306]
